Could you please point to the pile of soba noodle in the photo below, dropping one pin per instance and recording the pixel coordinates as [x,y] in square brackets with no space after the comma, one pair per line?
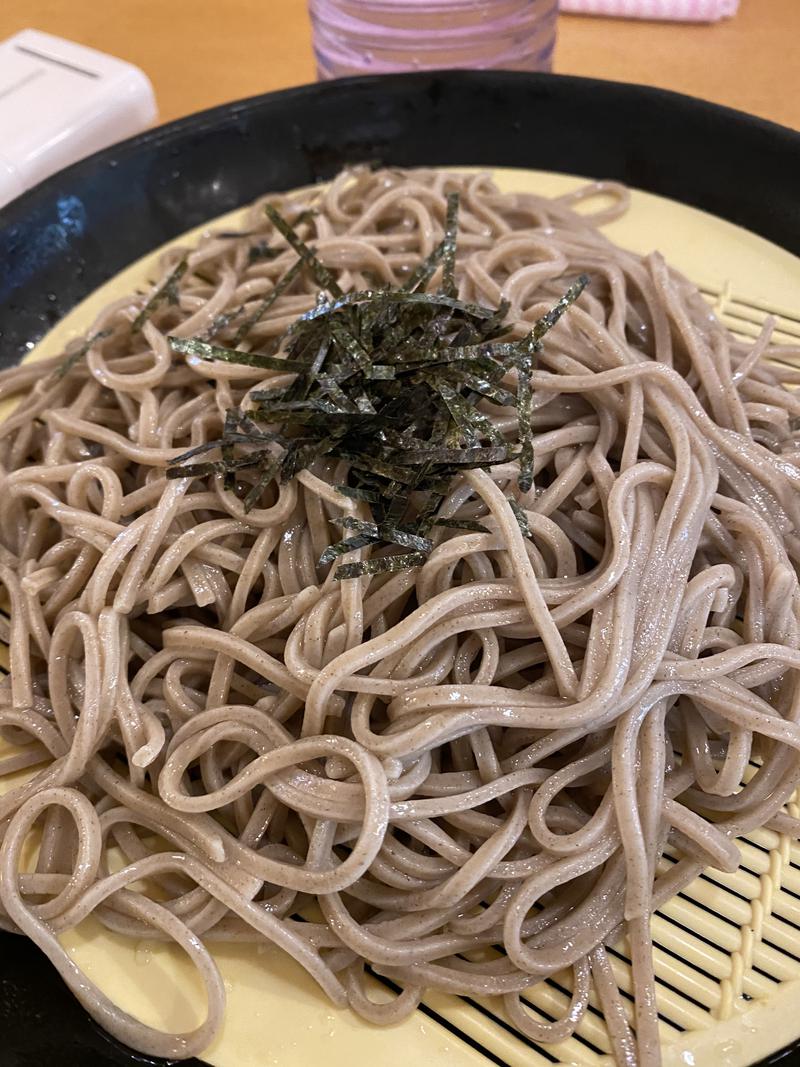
[526,744]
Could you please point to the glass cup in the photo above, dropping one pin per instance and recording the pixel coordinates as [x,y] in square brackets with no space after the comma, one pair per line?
[384,36]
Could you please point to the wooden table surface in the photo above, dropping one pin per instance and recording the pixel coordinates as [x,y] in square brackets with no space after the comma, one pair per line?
[203,52]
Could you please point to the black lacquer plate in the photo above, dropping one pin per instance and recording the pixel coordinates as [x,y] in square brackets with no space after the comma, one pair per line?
[64,238]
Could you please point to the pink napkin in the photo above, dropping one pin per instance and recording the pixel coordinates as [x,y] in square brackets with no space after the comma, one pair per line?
[677,10]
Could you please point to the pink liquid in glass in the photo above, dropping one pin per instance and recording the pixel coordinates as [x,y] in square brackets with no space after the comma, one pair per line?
[382,36]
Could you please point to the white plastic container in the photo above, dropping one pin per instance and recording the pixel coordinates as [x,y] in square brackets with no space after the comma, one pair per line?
[59,102]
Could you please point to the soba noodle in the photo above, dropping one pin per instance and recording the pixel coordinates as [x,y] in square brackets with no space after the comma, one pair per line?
[527,743]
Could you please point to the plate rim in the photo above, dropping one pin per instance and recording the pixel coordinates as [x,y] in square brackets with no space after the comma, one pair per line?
[656,139]
[198,120]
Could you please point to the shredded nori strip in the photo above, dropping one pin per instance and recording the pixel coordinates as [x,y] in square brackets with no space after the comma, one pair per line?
[382,565]
[469,525]
[278,290]
[236,235]
[449,246]
[385,532]
[265,477]
[190,346]
[63,369]
[495,393]
[262,250]
[323,277]
[459,457]
[387,380]
[550,318]
[520,516]
[227,450]
[221,322]
[349,544]
[168,291]
[424,271]
[524,415]
[356,492]
[472,422]
[217,466]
